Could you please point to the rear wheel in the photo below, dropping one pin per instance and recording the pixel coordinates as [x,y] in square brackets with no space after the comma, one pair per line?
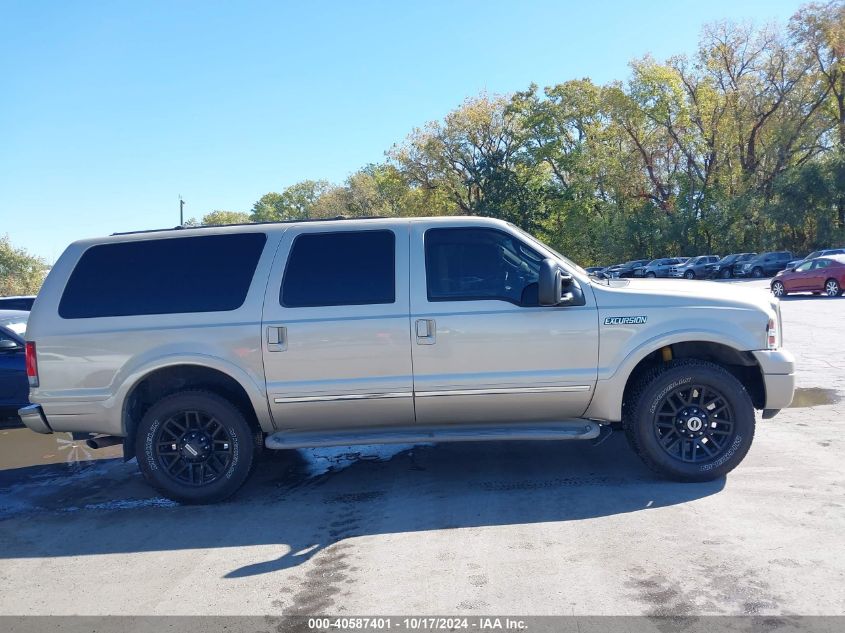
[690,420]
[778,289]
[832,288]
[196,447]
[726,273]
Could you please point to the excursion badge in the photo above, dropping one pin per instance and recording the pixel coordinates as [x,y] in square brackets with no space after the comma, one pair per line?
[625,320]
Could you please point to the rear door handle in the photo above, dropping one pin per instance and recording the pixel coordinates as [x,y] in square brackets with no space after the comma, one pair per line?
[426,331]
[277,338]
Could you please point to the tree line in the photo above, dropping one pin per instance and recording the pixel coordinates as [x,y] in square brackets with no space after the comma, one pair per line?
[738,147]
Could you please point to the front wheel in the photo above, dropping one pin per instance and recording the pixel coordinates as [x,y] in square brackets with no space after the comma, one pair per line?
[832,288]
[726,273]
[778,289]
[689,275]
[690,420]
[651,275]
[196,447]
[757,273]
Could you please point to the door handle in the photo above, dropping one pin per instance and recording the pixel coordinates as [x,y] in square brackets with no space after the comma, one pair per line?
[426,331]
[277,338]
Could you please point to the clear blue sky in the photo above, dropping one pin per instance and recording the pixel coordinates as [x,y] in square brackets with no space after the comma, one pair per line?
[110,110]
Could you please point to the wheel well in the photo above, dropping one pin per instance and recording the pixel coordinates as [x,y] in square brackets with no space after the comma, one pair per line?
[742,365]
[168,380]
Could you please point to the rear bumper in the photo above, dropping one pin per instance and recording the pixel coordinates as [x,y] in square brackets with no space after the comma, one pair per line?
[778,369]
[33,417]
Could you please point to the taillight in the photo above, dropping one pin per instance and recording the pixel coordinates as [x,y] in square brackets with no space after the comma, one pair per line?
[772,331]
[31,364]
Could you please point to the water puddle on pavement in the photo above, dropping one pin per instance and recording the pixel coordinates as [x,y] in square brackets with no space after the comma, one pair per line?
[22,447]
[814,397]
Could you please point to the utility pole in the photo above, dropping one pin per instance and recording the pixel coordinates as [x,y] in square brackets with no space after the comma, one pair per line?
[181,211]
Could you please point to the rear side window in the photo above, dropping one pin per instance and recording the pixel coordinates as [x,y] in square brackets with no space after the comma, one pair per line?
[335,269]
[209,273]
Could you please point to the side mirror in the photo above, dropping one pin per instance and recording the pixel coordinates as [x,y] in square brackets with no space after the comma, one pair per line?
[555,285]
[8,345]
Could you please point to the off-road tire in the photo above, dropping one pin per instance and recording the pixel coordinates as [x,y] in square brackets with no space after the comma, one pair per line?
[649,392]
[246,444]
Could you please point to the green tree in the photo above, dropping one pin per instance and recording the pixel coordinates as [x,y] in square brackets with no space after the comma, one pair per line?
[297,202]
[20,272]
[216,218]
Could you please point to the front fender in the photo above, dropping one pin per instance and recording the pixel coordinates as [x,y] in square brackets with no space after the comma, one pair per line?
[610,387]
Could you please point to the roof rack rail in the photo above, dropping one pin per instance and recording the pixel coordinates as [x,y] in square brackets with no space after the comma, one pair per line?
[217,226]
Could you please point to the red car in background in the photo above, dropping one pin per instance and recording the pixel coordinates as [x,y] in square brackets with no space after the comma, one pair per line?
[820,275]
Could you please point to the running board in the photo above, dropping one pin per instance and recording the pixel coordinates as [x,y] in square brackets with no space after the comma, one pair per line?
[563,430]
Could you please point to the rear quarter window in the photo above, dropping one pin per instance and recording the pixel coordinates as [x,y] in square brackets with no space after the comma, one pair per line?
[209,273]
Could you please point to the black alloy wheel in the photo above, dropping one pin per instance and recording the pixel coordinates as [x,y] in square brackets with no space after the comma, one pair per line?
[694,423]
[196,446]
[689,419]
[193,447]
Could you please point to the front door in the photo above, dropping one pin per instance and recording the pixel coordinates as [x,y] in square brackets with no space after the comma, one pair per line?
[483,349]
[818,275]
[335,331]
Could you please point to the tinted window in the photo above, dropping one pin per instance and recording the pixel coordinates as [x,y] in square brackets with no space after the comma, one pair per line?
[209,273]
[475,264]
[334,269]
[16,304]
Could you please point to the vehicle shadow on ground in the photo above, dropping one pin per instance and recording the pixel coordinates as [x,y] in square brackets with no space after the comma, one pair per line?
[804,297]
[107,508]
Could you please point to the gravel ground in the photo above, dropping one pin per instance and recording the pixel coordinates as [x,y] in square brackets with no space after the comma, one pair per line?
[522,528]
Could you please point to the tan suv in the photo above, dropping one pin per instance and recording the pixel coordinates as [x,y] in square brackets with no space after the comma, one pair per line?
[198,348]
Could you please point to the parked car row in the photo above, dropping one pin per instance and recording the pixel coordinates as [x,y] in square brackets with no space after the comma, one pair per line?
[753,265]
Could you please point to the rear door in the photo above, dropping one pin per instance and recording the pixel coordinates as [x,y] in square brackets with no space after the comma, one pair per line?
[483,349]
[335,331]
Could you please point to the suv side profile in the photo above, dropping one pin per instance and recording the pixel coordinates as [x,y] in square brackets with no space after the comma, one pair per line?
[725,268]
[694,267]
[659,267]
[199,348]
[764,265]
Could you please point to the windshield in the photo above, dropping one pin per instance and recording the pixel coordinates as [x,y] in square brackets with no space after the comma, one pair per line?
[545,247]
[16,324]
